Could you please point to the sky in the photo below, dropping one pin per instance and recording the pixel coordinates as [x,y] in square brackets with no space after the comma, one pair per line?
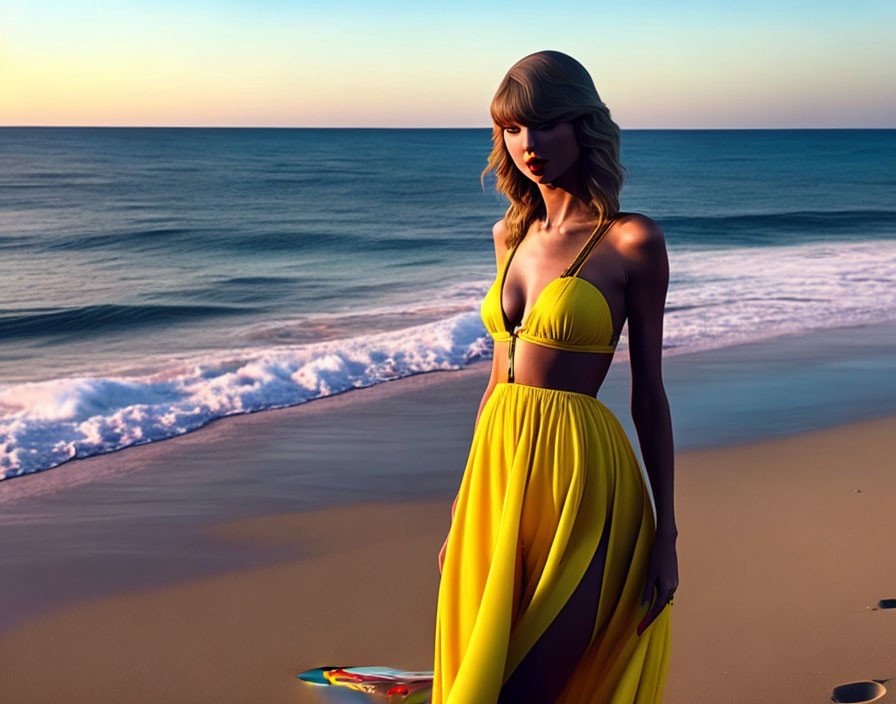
[331,63]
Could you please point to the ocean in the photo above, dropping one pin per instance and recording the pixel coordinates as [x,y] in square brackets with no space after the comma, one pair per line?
[153,280]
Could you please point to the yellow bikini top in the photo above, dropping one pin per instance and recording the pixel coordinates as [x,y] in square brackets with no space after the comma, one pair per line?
[570,313]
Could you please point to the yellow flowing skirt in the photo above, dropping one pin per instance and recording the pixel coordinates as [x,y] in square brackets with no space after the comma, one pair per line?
[547,470]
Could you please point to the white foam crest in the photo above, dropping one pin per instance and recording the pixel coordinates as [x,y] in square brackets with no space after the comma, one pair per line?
[49,422]
[719,298]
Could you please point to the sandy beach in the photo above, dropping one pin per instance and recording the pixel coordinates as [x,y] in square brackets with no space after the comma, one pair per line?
[164,574]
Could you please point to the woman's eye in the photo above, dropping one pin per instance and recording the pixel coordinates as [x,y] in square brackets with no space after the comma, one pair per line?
[512,130]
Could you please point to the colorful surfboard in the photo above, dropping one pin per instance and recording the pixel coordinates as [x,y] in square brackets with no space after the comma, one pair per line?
[385,684]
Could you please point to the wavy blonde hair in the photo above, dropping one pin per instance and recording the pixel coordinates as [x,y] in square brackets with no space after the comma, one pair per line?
[549,86]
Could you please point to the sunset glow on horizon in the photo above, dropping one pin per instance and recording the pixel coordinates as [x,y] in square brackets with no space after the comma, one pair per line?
[277,64]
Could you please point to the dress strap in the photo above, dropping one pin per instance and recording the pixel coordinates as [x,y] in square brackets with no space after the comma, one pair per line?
[593,239]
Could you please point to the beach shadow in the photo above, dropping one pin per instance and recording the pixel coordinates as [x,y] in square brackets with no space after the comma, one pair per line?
[341,695]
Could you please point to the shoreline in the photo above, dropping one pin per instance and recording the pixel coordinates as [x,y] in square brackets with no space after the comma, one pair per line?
[780,570]
[135,517]
[132,458]
[801,381]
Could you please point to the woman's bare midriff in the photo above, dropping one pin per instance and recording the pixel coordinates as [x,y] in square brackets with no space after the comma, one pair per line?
[564,370]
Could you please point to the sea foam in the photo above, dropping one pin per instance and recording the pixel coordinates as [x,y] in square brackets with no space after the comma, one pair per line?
[49,422]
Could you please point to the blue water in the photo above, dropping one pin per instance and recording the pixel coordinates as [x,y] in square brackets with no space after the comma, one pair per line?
[154,279]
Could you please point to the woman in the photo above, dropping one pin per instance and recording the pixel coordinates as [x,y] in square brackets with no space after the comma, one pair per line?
[556,578]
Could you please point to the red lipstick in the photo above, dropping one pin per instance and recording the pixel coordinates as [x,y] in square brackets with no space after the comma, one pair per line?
[536,166]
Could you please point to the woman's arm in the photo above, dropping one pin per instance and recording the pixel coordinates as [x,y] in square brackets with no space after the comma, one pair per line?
[644,245]
[499,233]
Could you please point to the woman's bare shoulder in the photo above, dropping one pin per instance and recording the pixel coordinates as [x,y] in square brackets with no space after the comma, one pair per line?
[642,243]
[635,232]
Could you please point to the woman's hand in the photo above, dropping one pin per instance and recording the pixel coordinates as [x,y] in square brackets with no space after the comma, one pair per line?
[662,572]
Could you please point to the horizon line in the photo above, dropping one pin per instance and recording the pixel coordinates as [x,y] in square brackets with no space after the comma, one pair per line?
[343,127]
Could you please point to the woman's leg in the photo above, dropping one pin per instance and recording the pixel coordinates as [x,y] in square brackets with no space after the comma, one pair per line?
[547,666]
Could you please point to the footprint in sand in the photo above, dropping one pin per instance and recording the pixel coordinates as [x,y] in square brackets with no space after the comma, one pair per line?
[859,692]
[863,690]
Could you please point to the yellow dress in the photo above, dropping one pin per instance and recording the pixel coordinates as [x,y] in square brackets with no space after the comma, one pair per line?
[548,472]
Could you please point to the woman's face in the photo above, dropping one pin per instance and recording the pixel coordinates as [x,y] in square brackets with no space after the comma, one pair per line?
[545,152]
